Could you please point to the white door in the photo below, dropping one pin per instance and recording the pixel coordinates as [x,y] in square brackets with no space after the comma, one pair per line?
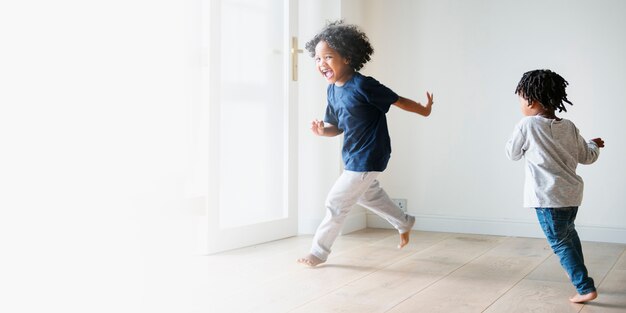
[252,117]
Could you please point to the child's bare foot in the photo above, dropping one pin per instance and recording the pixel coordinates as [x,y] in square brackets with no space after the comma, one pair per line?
[584,298]
[404,239]
[310,260]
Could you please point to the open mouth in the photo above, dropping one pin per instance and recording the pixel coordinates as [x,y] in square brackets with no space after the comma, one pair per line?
[328,74]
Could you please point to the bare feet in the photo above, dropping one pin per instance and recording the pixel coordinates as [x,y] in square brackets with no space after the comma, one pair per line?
[404,239]
[310,260]
[584,298]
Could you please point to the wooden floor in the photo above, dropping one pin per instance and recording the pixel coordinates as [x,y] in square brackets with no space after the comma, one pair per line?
[436,272]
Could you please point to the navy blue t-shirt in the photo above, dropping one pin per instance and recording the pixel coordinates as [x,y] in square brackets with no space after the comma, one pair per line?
[358,109]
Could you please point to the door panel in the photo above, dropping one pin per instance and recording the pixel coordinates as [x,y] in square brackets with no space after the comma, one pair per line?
[252,146]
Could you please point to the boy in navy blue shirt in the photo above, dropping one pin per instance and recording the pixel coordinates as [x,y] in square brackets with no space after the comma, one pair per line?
[356,108]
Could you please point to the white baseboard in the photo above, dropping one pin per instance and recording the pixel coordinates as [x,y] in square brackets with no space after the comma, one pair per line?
[500,227]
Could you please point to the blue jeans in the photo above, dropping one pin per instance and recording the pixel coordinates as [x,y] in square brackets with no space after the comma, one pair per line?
[558,226]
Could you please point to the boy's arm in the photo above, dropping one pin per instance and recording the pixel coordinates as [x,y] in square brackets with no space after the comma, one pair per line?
[589,151]
[325,129]
[515,146]
[416,107]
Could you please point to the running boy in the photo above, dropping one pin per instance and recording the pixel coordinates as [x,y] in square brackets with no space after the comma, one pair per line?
[356,107]
[552,148]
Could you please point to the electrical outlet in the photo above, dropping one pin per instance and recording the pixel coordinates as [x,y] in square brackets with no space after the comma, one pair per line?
[401,203]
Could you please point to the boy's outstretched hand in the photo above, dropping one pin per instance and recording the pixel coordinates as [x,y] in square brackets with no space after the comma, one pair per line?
[317,127]
[598,142]
[416,107]
[430,99]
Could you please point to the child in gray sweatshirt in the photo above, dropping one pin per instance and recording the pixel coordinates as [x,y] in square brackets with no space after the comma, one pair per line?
[552,148]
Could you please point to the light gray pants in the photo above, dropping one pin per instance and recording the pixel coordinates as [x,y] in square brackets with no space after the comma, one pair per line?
[356,188]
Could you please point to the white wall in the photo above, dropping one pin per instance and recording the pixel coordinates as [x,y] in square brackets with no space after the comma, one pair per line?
[96,138]
[451,166]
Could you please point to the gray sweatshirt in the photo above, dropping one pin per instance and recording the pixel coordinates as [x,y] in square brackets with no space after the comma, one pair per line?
[552,150]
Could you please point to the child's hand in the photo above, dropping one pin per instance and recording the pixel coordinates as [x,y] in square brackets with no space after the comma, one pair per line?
[317,127]
[430,99]
[598,142]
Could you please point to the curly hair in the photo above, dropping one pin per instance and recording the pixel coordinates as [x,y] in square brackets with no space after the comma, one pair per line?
[544,86]
[348,40]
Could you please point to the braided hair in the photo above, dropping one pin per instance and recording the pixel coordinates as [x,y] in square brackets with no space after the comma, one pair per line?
[545,87]
[348,40]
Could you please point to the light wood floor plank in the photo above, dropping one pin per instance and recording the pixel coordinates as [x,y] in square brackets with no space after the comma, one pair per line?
[477,284]
[599,258]
[305,284]
[536,296]
[383,289]
[436,272]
